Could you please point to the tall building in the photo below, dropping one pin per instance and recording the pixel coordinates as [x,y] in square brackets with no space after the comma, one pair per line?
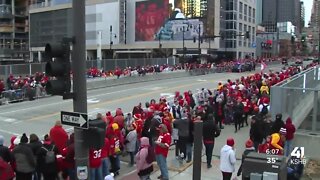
[284,10]
[259,11]
[238,17]
[131,29]
[302,16]
[14,28]
[315,14]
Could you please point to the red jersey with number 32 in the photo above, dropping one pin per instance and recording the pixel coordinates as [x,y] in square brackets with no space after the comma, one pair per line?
[166,140]
[95,158]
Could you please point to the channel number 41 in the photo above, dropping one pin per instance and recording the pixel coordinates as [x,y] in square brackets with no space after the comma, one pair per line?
[297,156]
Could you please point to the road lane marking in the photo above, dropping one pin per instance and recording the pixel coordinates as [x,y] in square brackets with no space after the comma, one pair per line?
[9,120]
[9,132]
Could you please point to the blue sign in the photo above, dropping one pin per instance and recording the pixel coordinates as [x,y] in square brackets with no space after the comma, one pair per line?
[254,45]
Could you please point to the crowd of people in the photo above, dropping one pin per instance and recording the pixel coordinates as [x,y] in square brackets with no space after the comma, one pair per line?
[148,131]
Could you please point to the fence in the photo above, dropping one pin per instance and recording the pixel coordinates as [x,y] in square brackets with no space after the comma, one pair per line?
[106,64]
[298,98]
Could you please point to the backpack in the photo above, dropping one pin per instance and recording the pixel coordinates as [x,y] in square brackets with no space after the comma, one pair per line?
[50,155]
[151,157]
[264,110]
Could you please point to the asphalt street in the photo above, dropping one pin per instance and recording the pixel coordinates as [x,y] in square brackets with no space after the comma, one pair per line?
[40,115]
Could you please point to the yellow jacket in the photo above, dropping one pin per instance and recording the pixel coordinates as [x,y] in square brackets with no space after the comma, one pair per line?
[275,138]
[264,88]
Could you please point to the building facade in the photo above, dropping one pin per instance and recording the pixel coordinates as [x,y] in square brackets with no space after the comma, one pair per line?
[238,17]
[14,27]
[132,28]
[315,14]
[281,11]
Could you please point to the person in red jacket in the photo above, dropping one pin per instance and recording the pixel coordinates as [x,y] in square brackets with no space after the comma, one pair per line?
[59,136]
[246,109]
[95,162]
[291,129]
[119,118]
[105,151]
[162,148]
[68,161]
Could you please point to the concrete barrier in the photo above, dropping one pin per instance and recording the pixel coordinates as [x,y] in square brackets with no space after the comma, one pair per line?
[135,79]
[309,140]
[112,81]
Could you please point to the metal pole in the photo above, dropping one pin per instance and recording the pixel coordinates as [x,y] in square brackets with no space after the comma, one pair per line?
[183,43]
[278,33]
[197,153]
[111,37]
[319,47]
[79,81]
[315,111]
[199,41]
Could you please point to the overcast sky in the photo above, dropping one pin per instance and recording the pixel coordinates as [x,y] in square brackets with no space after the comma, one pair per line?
[308,8]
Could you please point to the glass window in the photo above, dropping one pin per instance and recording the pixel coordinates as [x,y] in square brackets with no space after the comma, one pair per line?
[245,9]
[250,9]
[241,7]
[240,27]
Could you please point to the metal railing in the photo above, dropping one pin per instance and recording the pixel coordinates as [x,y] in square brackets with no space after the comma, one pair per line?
[297,97]
[106,64]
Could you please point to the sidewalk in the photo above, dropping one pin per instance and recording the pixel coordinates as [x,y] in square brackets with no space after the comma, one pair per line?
[185,171]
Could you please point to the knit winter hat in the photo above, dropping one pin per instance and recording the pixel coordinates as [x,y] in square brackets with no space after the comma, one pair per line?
[24,138]
[283,131]
[230,141]
[1,140]
[249,143]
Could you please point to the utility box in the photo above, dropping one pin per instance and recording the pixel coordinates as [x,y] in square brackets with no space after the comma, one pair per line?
[255,176]
[260,163]
[270,176]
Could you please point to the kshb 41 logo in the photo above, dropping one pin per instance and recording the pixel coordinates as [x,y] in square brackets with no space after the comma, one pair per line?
[297,156]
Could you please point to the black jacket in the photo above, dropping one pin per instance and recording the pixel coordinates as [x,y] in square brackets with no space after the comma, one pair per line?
[35,146]
[41,155]
[244,155]
[210,131]
[5,154]
[277,125]
[256,132]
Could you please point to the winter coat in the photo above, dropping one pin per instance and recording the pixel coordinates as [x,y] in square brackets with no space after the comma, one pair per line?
[105,151]
[59,137]
[5,154]
[41,155]
[256,132]
[210,132]
[244,155]
[35,146]
[24,158]
[183,127]
[131,140]
[276,126]
[291,129]
[142,155]
[119,118]
[227,159]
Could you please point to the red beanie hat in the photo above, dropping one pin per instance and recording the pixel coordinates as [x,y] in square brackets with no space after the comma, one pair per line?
[230,141]
[249,143]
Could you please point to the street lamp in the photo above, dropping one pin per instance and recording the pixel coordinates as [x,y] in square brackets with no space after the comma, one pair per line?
[112,35]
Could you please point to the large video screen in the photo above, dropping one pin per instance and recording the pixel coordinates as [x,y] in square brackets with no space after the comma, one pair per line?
[168,20]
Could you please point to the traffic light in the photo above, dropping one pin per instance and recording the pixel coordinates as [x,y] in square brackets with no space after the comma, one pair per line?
[247,35]
[58,68]
[194,39]
[94,137]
